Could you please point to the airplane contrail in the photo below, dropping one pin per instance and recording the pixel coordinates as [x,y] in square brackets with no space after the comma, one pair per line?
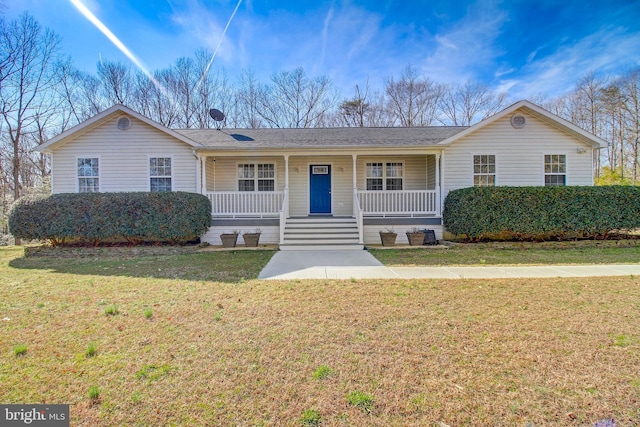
[118,43]
[206,70]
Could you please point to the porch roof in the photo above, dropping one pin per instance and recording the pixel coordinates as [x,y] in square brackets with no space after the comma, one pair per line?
[321,137]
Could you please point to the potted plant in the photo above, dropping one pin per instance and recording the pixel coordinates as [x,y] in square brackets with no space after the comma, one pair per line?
[230,239]
[388,237]
[251,239]
[415,237]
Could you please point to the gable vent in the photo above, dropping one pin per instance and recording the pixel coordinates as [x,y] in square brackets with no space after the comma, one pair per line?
[518,121]
[124,123]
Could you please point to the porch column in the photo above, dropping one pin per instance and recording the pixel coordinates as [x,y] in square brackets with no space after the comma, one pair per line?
[438,189]
[286,171]
[203,167]
[355,175]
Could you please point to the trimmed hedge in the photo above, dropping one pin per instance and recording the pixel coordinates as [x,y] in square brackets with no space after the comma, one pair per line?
[94,218]
[539,213]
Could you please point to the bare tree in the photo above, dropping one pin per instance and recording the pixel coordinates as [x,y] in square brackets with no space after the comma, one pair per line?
[298,101]
[117,82]
[28,83]
[630,126]
[412,100]
[469,103]
[353,112]
[250,96]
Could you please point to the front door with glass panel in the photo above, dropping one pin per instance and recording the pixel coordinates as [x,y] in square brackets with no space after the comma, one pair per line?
[320,189]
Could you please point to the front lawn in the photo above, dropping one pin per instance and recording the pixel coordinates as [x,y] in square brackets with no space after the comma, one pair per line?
[149,342]
[513,253]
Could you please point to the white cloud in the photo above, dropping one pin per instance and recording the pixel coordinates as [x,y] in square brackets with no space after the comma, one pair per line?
[604,51]
[202,27]
[467,46]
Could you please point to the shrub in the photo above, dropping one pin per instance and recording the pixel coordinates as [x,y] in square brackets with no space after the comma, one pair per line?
[94,218]
[538,213]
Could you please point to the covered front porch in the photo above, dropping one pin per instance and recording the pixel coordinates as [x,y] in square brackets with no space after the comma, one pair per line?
[267,191]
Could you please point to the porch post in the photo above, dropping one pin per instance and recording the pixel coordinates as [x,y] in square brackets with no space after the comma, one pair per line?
[438,189]
[203,182]
[286,171]
[198,171]
[355,175]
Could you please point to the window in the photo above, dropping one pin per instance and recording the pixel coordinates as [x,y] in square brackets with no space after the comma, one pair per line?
[160,173]
[555,169]
[484,170]
[256,177]
[88,175]
[385,176]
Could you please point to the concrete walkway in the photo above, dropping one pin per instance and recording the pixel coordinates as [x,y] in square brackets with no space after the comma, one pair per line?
[363,265]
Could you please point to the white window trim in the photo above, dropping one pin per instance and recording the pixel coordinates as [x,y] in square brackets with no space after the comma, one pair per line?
[496,166]
[566,167]
[77,178]
[384,174]
[159,156]
[255,178]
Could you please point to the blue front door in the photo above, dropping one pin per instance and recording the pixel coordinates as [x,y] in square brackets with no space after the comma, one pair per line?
[320,189]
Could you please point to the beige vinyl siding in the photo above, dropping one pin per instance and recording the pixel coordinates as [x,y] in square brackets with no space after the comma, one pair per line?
[341,183]
[124,158]
[519,154]
[222,174]
[415,170]
[431,172]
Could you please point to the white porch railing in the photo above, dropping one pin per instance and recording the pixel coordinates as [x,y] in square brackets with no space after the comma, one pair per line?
[404,202]
[238,204]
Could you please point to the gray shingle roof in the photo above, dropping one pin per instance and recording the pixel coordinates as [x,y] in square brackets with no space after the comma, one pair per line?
[320,137]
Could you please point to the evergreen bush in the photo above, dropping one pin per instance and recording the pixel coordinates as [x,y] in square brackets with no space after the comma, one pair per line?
[95,218]
[541,213]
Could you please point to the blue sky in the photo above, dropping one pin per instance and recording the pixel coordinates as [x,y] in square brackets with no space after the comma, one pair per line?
[526,48]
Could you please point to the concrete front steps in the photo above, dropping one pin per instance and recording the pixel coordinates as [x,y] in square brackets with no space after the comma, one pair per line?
[321,233]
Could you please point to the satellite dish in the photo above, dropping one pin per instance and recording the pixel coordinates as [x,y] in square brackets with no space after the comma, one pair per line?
[216,115]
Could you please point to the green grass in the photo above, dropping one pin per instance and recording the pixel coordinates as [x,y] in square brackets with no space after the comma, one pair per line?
[111,310]
[514,253]
[399,352]
[94,392]
[311,417]
[322,372]
[361,400]
[19,349]
[91,350]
